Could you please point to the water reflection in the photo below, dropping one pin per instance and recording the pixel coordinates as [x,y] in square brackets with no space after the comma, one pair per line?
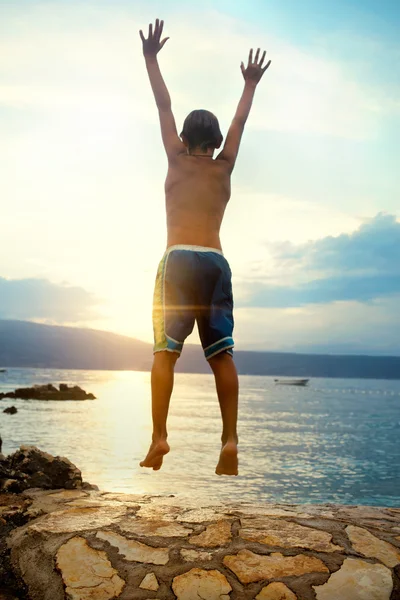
[297,445]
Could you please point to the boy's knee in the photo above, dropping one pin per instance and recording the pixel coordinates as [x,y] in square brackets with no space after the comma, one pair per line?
[220,358]
[165,358]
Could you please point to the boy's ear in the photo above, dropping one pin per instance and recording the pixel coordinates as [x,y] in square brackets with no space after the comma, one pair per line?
[184,140]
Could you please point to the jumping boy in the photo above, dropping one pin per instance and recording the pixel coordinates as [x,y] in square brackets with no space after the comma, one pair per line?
[194,279]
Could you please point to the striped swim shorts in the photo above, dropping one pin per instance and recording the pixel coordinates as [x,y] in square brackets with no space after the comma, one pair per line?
[193,284]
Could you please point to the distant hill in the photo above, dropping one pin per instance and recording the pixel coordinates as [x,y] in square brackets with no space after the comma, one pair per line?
[27,344]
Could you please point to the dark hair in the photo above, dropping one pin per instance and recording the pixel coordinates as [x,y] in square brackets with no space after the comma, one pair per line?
[201,129]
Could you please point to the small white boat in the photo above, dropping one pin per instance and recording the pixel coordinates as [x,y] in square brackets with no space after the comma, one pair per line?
[301,382]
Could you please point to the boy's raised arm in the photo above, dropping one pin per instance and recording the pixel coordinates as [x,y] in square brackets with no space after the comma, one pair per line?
[252,75]
[151,46]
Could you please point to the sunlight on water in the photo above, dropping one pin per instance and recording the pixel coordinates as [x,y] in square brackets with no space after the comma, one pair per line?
[335,441]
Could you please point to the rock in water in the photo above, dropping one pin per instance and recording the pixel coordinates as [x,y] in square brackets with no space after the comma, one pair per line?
[10,410]
[30,467]
[50,392]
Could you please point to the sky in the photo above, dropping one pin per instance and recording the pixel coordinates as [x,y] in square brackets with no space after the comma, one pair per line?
[312,230]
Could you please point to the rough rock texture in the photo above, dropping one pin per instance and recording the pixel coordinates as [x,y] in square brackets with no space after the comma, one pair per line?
[81,545]
[195,555]
[357,580]
[216,534]
[87,573]
[249,567]
[13,511]
[30,467]
[369,545]
[49,392]
[199,584]
[135,551]
[149,582]
[276,591]
[279,532]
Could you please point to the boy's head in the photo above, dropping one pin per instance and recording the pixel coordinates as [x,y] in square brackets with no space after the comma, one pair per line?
[201,130]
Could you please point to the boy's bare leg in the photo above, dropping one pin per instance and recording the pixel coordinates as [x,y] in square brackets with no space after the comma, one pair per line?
[227,384]
[162,383]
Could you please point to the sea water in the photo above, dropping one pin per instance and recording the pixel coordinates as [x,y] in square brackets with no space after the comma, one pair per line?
[336,440]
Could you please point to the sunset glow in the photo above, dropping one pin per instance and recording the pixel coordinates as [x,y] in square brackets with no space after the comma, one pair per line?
[83,167]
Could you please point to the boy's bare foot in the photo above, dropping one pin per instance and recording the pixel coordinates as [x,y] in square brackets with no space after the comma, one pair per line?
[228,460]
[155,455]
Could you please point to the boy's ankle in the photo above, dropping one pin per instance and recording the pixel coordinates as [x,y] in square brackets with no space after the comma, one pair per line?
[229,438]
[158,437]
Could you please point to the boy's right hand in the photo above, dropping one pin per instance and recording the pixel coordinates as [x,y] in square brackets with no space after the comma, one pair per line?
[153,44]
[254,70]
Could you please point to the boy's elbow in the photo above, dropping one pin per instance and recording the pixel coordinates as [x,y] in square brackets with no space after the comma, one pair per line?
[164,107]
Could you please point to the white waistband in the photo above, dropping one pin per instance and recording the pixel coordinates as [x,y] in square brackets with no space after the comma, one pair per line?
[193,249]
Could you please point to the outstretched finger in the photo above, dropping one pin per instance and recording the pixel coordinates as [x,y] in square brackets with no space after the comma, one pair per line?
[266,66]
[242,68]
[142,36]
[151,30]
[163,42]
[250,57]
[257,55]
[156,29]
[262,58]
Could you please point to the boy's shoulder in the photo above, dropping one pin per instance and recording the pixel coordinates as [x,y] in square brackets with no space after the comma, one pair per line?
[200,162]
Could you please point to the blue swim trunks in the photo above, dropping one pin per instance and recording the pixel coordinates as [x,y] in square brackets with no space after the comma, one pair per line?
[193,284]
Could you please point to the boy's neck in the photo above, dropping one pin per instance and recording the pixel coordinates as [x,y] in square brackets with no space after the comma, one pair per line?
[195,152]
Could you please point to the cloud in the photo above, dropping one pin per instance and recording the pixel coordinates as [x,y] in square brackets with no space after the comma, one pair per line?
[360,266]
[39,299]
[374,248]
[330,289]
[340,327]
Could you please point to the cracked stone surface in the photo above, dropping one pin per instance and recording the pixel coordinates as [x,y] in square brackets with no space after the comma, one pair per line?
[157,512]
[153,527]
[192,555]
[216,534]
[133,550]
[149,582]
[87,573]
[67,495]
[198,515]
[206,551]
[270,510]
[357,580]
[77,519]
[250,567]
[369,545]
[198,584]
[367,512]
[276,591]
[278,532]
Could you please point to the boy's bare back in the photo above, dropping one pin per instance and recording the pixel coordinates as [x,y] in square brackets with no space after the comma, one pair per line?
[197,190]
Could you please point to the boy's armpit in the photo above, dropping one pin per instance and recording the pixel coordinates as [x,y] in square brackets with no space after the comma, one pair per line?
[172,143]
[232,143]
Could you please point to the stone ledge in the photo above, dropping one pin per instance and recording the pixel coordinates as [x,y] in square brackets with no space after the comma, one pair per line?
[82,545]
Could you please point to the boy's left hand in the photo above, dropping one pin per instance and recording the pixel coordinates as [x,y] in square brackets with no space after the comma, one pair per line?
[152,45]
[254,70]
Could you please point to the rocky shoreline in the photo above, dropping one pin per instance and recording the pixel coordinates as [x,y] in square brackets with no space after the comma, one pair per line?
[79,543]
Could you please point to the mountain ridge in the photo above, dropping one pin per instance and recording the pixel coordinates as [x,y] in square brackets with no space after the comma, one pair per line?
[29,344]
